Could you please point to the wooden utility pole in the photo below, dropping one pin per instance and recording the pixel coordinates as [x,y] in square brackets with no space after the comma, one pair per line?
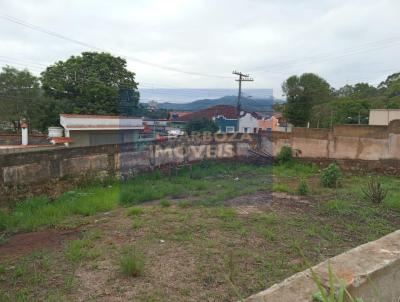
[242,78]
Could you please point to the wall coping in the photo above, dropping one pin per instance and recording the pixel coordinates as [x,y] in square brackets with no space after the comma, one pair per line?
[368,268]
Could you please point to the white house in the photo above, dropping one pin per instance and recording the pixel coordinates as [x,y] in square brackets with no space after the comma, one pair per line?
[90,130]
[248,122]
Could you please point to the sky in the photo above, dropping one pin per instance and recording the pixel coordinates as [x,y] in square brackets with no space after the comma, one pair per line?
[198,43]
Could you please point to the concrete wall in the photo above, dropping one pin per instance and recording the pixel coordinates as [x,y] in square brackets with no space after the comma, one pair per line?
[370,271]
[33,173]
[358,142]
[383,116]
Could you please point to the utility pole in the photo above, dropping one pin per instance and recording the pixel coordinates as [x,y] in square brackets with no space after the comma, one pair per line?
[242,78]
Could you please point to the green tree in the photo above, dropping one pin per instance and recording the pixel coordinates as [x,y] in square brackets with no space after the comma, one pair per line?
[391,86]
[302,94]
[19,93]
[358,91]
[202,125]
[93,83]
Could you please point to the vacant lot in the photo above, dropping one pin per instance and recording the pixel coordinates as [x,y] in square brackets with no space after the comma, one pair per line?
[218,233]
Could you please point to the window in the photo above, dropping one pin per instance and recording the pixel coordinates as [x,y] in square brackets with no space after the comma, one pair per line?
[246,130]
[230,129]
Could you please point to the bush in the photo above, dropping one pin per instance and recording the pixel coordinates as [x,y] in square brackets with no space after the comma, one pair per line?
[302,188]
[330,176]
[374,192]
[285,155]
[131,262]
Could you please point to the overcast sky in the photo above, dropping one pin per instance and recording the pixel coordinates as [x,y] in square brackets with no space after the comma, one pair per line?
[343,41]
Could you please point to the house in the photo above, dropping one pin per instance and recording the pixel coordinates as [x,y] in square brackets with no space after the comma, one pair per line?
[248,122]
[223,115]
[383,117]
[91,130]
[225,124]
[268,124]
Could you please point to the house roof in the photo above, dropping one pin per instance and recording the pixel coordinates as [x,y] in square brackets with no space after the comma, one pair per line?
[99,122]
[98,116]
[208,113]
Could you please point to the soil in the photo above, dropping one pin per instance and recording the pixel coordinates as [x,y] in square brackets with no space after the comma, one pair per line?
[25,243]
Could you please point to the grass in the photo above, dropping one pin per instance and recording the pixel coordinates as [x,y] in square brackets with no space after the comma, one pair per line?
[189,239]
[165,203]
[135,211]
[77,250]
[131,262]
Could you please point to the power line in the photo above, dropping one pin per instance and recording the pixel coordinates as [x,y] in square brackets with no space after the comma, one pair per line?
[370,46]
[84,44]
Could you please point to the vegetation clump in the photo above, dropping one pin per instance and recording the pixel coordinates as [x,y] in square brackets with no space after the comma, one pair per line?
[374,192]
[302,188]
[131,262]
[330,176]
[285,155]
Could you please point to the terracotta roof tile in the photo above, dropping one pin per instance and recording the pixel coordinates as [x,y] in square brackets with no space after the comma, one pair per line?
[208,113]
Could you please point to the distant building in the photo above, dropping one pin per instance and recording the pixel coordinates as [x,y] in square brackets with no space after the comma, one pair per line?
[177,115]
[383,116]
[269,124]
[248,122]
[91,130]
[225,125]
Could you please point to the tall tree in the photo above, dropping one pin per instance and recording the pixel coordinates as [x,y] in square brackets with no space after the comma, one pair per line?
[93,83]
[302,94]
[358,91]
[391,86]
[19,91]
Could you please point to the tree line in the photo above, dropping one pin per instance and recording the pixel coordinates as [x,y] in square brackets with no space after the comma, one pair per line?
[90,83]
[310,99]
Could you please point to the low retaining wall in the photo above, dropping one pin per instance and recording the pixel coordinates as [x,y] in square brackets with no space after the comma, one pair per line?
[52,171]
[370,271]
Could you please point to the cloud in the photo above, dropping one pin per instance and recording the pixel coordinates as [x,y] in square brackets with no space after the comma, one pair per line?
[269,39]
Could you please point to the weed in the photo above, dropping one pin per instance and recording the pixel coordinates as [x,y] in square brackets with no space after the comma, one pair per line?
[225,213]
[135,211]
[330,176]
[76,250]
[281,187]
[131,262]
[302,188]
[165,203]
[184,204]
[285,155]
[137,224]
[332,293]
[337,207]
[374,192]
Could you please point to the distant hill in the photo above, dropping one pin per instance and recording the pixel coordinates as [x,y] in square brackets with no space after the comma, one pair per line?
[249,104]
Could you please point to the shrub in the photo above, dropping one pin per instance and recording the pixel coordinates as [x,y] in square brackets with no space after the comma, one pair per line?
[374,192]
[285,155]
[330,176]
[302,188]
[131,262]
